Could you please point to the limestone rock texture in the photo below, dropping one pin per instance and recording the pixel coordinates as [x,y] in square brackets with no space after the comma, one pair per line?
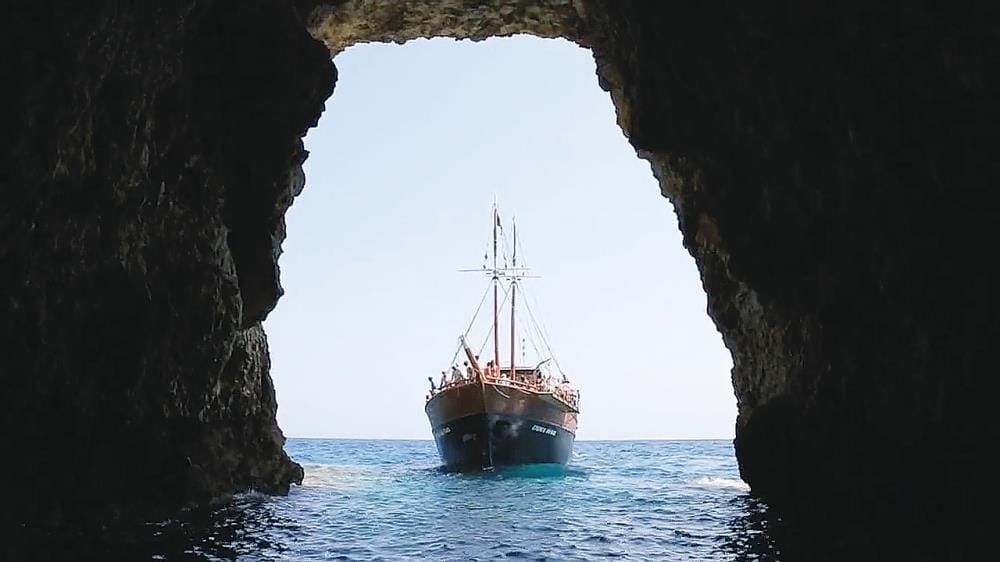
[831,167]
[149,153]
[342,24]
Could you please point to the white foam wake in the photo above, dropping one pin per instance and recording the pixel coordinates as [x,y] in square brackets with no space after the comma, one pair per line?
[721,483]
[338,477]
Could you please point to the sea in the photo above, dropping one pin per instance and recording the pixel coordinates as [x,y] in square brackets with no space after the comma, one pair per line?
[389,500]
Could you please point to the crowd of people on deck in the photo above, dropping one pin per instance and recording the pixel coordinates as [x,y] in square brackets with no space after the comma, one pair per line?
[533,380]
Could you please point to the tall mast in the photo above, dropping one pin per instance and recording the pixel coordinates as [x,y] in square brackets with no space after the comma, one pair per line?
[513,295]
[496,281]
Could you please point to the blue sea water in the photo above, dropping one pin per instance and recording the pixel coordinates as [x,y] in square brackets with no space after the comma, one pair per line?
[388,500]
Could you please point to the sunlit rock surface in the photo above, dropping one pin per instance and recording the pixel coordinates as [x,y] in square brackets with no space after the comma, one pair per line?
[831,172]
[342,24]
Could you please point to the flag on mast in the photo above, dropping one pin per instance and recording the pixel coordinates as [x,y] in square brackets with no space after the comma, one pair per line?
[496,213]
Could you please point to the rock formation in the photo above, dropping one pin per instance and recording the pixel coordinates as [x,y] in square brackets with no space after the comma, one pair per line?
[830,170]
[150,153]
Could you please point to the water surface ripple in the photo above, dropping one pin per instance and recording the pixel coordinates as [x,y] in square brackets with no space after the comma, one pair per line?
[387,500]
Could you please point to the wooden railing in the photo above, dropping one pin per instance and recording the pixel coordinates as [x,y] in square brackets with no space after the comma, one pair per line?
[570,398]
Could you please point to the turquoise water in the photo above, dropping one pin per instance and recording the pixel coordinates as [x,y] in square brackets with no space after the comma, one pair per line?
[387,500]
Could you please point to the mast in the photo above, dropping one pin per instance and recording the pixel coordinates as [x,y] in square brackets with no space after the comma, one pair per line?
[513,295]
[496,281]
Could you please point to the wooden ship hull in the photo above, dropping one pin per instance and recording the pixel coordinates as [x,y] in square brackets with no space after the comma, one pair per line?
[480,425]
[484,416]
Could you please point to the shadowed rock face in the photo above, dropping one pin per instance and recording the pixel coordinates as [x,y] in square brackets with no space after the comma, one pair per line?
[149,156]
[830,173]
[829,168]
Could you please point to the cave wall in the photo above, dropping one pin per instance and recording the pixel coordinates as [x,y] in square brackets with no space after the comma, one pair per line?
[831,170]
[150,151]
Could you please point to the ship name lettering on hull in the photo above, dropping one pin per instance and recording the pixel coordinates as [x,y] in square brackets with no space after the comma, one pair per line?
[545,430]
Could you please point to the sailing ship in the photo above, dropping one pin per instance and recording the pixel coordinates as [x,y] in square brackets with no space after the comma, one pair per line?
[492,415]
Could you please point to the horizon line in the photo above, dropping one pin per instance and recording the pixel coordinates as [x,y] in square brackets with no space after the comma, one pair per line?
[577,440]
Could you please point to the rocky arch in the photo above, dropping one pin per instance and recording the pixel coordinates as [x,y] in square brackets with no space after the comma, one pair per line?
[830,170]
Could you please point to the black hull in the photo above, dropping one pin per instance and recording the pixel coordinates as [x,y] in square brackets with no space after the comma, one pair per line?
[480,441]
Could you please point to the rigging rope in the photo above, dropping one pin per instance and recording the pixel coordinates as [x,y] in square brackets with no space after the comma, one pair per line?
[538,327]
[486,293]
[490,331]
[473,321]
[534,345]
[519,248]
[541,331]
[531,336]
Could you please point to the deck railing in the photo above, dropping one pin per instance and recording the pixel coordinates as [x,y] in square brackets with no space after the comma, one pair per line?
[569,397]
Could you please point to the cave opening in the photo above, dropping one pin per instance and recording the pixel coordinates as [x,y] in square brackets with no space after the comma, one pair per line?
[830,169]
[404,164]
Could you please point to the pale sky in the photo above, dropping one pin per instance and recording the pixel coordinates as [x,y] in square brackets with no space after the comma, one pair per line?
[403,169]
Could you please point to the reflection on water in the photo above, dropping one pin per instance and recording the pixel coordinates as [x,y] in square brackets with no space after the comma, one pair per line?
[250,527]
[253,528]
[750,534]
